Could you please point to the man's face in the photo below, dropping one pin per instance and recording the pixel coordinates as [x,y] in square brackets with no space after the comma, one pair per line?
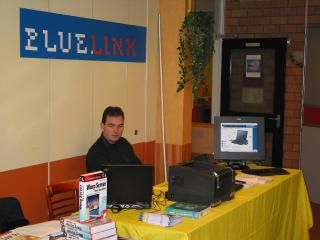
[113,128]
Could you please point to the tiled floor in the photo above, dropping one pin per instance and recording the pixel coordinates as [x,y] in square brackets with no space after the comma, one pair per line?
[315,230]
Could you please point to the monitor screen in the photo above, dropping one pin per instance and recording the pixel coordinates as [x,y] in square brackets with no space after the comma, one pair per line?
[239,138]
[129,186]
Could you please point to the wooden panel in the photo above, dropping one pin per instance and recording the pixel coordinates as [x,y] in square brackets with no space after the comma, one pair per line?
[67,169]
[145,152]
[23,95]
[135,113]
[202,138]
[70,108]
[28,185]
[115,11]
[137,10]
[81,8]
[174,154]
[110,88]
[152,71]
[177,106]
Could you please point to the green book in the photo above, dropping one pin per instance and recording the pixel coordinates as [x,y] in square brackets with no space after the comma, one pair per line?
[190,210]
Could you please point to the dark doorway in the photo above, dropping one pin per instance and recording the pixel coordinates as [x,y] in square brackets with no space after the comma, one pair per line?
[253,84]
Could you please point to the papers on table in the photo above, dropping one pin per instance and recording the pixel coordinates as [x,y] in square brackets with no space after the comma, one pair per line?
[251,180]
[160,219]
[40,230]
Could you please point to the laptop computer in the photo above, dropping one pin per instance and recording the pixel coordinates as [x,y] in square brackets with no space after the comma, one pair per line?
[241,138]
[129,186]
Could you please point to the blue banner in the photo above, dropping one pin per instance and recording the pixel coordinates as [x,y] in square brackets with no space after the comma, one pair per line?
[58,36]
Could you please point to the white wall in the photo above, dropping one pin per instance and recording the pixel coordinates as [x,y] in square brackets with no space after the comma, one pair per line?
[51,109]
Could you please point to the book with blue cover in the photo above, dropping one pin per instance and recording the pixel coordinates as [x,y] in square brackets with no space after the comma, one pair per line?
[92,196]
[190,210]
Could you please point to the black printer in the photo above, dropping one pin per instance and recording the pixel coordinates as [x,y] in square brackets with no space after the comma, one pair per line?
[200,182]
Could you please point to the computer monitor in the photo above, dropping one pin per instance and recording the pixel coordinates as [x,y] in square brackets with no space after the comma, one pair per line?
[238,139]
[129,186]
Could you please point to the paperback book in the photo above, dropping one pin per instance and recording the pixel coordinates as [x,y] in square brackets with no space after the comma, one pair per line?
[160,219]
[92,195]
[78,235]
[92,227]
[190,210]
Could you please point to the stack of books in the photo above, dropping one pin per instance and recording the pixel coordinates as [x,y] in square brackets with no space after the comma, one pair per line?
[190,210]
[100,228]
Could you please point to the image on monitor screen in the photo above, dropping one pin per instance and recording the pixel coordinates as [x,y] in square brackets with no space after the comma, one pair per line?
[239,138]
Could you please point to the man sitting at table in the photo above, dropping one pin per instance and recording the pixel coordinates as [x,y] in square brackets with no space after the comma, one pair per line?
[111,147]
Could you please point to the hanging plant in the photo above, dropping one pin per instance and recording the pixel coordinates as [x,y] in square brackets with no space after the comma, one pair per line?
[195,48]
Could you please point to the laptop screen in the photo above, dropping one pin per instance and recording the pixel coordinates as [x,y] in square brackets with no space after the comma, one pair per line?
[129,186]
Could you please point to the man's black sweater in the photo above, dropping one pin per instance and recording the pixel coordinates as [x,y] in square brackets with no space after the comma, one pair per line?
[103,152]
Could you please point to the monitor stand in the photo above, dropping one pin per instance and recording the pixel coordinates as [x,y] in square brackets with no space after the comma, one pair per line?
[237,164]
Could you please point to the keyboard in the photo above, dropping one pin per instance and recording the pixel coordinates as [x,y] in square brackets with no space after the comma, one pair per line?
[266,171]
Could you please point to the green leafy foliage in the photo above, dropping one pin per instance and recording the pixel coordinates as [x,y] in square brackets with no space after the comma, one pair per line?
[195,48]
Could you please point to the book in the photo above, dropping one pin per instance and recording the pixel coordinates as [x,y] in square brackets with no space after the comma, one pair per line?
[160,219]
[78,235]
[190,210]
[91,227]
[92,195]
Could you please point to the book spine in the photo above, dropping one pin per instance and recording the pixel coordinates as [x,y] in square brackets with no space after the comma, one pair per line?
[81,198]
[92,176]
[104,234]
[114,237]
[183,213]
[84,236]
[83,212]
[76,234]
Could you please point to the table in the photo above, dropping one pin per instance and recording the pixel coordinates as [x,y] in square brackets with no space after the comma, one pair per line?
[278,210]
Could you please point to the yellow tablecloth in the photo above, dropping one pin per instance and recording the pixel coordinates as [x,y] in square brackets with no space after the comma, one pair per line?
[279,210]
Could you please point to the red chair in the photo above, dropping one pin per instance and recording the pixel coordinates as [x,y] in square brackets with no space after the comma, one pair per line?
[62,198]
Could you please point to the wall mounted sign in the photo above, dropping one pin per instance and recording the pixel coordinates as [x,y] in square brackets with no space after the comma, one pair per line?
[58,36]
[253,66]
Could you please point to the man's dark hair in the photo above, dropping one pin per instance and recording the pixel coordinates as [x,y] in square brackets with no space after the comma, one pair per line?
[112,112]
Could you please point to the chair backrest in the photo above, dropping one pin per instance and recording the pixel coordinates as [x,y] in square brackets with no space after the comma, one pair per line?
[62,198]
[11,215]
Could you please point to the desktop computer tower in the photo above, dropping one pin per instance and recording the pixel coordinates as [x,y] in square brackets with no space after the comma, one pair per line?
[200,183]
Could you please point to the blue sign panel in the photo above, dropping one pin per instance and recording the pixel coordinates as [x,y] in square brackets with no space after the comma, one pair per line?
[51,35]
